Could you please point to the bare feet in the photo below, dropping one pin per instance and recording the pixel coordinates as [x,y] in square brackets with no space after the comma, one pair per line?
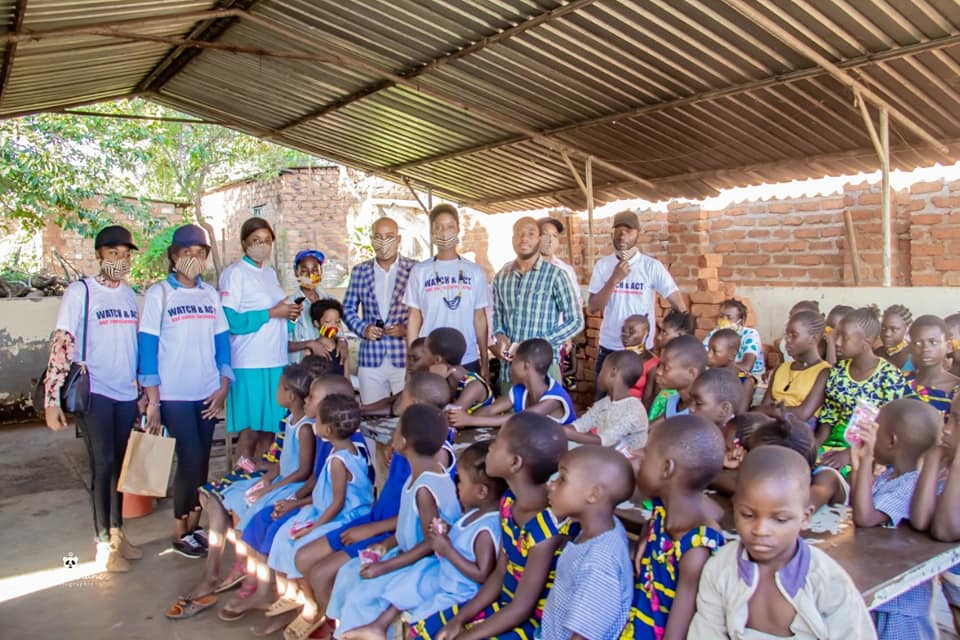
[246,599]
[367,632]
[270,626]
[205,587]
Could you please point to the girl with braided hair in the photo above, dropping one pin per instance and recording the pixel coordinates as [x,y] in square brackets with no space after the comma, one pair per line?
[733,315]
[930,382]
[860,373]
[797,386]
[895,347]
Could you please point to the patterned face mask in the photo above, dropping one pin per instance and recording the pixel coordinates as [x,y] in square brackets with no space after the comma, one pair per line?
[724,323]
[385,249]
[329,332]
[189,266]
[115,270]
[260,251]
[309,281]
[444,242]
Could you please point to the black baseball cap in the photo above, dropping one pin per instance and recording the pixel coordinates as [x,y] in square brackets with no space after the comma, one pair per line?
[190,235]
[626,219]
[114,236]
[548,220]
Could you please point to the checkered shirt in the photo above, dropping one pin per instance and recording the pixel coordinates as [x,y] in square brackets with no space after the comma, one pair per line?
[361,309]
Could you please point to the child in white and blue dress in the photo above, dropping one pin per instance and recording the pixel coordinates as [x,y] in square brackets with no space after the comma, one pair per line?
[378,589]
[343,490]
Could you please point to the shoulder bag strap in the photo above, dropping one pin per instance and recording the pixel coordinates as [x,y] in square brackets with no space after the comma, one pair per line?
[86,319]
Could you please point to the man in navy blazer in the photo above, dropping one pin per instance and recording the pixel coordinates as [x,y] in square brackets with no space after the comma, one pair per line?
[374,309]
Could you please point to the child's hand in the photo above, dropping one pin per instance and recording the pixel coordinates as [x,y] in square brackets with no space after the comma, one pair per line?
[282,507]
[373,570]
[867,432]
[354,535]
[836,459]
[456,417]
[450,631]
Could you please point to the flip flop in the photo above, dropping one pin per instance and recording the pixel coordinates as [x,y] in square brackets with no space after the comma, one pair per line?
[282,606]
[227,615]
[184,608]
[229,584]
[301,629]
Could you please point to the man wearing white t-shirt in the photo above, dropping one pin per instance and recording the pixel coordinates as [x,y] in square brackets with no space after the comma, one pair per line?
[448,290]
[626,283]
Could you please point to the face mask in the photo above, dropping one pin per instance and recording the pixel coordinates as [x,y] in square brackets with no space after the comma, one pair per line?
[309,281]
[444,242]
[723,323]
[546,246]
[189,267]
[385,249]
[954,345]
[329,332]
[115,270]
[260,252]
[627,254]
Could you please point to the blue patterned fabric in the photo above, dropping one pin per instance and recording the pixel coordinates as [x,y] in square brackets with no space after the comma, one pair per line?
[360,310]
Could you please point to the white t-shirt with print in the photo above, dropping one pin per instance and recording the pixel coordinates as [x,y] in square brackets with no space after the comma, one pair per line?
[634,295]
[246,287]
[433,289]
[112,339]
[186,361]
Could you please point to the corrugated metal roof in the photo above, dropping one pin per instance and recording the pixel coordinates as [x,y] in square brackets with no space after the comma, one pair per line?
[476,98]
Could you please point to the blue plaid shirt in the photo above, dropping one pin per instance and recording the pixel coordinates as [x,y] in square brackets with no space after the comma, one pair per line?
[361,298]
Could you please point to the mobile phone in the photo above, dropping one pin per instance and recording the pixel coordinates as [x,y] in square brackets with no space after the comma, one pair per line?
[299,300]
[378,323]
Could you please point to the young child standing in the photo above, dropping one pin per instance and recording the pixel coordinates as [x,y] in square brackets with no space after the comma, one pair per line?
[374,593]
[797,386]
[533,390]
[929,381]
[633,335]
[682,360]
[904,431]
[895,347]
[326,314]
[445,347]
[342,493]
[682,457]
[860,374]
[510,603]
[594,587]
[773,584]
[618,419]
[733,315]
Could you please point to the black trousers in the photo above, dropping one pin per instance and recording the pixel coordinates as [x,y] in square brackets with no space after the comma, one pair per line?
[106,429]
[194,436]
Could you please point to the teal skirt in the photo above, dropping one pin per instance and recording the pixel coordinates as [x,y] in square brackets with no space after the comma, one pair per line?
[252,401]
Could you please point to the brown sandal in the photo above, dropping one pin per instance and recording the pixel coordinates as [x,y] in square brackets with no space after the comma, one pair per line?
[184,608]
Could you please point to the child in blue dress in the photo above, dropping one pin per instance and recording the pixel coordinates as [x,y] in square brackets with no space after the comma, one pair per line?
[394,580]
[342,492]
[533,390]
[510,603]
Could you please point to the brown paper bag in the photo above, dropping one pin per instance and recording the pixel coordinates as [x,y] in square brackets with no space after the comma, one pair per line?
[146,465]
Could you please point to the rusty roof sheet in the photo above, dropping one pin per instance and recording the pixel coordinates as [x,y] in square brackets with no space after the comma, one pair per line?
[479,100]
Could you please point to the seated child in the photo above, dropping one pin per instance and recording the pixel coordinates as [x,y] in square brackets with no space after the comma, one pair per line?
[444,350]
[828,348]
[797,386]
[417,362]
[342,493]
[633,335]
[594,584]
[895,348]
[860,374]
[278,477]
[803,305]
[682,456]
[722,354]
[509,605]
[716,395]
[773,584]
[930,381]
[682,361]
[673,325]
[326,314]
[733,315]
[533,390]
[466,550]
[373,593]
[904,431]
[953,342]
[618,419]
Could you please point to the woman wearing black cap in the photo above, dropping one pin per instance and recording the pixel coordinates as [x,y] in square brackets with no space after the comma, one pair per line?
[257,312]
[97,325]
[185,371]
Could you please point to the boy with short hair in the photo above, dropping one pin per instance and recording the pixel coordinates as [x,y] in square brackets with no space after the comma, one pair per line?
[533,390]
[717,395]
[722,350]
[618,419]
[682,361]
[591,594]
[444,350]
[773,584]
[905,429]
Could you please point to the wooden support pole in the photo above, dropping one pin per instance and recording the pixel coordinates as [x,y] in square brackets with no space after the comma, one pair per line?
[885,199]
[406,182]
[591,257]
[852,246]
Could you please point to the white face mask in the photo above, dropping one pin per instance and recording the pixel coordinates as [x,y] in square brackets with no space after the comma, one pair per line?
[444,242]
[386,249]
[628,254]
[115,270]
[260,251]
[546,246]
[189,266]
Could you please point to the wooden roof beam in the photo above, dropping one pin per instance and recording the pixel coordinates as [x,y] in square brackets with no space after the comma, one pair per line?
[16,23]
[713,94]
[446,58]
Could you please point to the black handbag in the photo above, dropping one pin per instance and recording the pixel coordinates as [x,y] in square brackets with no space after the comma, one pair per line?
[75,392]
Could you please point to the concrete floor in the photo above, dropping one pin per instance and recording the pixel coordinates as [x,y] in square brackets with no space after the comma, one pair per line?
[45,515]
